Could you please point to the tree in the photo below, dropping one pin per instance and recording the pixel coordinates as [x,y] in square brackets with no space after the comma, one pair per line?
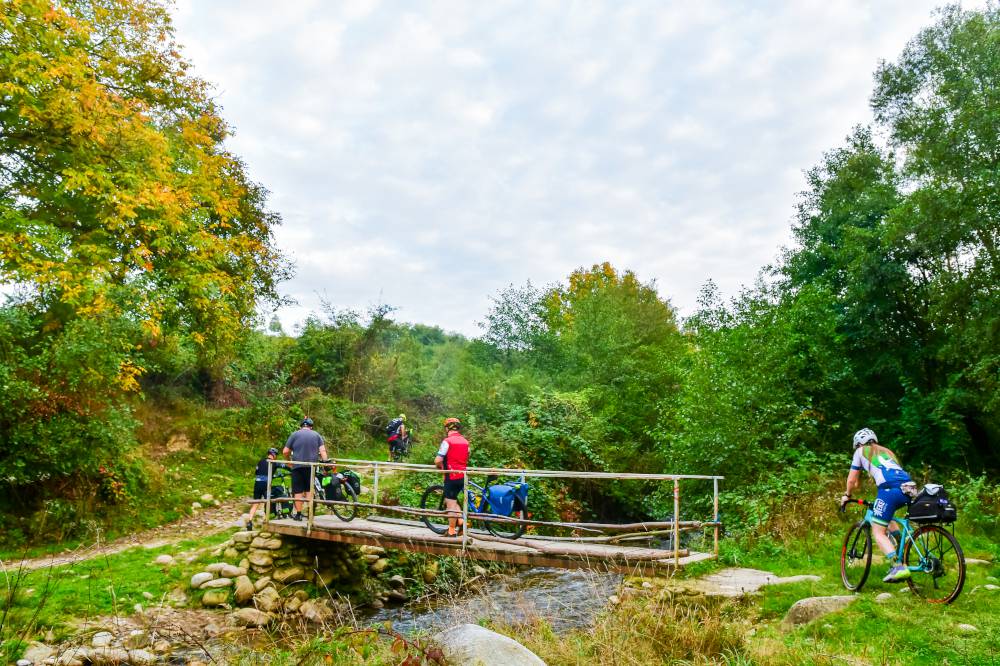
[125,226]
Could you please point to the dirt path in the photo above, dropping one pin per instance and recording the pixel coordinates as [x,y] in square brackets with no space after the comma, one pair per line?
[206,521]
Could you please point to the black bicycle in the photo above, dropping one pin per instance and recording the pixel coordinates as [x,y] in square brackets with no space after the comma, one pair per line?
[399,448]
[339,488]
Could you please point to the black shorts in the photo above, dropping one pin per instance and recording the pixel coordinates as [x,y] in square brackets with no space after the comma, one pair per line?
[259,489]
[453,488]
[300,479]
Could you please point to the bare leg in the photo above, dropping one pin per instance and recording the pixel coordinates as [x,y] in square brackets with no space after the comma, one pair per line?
[454,511]
[298,502]
[882,539]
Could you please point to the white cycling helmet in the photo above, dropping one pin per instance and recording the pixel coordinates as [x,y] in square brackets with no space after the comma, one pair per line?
[864,436]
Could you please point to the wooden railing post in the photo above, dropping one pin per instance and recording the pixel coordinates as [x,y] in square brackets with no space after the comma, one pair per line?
[715,514]
[375,485]
[465,509]
[312,496]
[267,501]
[677,517]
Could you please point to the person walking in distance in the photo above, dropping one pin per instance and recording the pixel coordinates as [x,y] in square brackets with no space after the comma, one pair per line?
[303,445]
[453,457]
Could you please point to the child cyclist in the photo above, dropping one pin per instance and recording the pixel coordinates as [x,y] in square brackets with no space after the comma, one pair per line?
[891,480]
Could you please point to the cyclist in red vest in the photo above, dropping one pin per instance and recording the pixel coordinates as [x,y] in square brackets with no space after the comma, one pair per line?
[453,455]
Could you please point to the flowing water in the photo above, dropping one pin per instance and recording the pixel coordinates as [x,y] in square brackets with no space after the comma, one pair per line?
[566,599]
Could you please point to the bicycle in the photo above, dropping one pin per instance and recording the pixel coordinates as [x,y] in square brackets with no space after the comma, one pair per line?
[399,448]
[479,502]
[343,493]
[927,551]
[281,494]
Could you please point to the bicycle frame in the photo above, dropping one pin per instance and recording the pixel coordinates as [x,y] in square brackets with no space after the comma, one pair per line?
[906,534]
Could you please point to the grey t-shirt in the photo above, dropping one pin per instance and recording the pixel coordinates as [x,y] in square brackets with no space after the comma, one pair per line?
[305,444]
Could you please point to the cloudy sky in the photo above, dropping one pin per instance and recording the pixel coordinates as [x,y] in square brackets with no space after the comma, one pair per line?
[427,155]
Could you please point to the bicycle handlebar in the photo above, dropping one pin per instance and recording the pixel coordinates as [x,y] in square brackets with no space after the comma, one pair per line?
[851,500]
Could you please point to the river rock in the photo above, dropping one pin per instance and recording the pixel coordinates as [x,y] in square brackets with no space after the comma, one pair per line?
[38,652]
[379,566]
[206,498]
[398,595]
[244,590]
[137,638]
[288,574]
[102,639]
[883,597]
[244,537]
[376,604]
[148,596]
[477,646]
[116,656]
[215,567]
[200,579]
[292,604]
[736,582]
[214,598]
[372,557]
[967,628]
[372,550]
[397,581]
[177,597]
[72,657]
[260,559]
[231,553]
[164,560]
[266,544]
[431,572]
[162,646]
[195,506]
[479,571]
[23,662]
[251,617]
[230,571]
[217,583]
[316,611]
[261,583]
[806,610]
[267,600]
[976,560]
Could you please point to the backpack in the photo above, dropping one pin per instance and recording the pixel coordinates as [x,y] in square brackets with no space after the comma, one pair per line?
[393,427]
[932,505]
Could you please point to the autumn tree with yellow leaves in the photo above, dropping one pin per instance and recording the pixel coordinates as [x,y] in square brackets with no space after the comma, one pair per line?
[125,227]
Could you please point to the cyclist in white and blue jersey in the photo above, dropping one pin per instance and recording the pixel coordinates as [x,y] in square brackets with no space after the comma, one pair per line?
[885,470]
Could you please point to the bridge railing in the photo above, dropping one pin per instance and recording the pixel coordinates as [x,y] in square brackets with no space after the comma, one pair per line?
[378,469]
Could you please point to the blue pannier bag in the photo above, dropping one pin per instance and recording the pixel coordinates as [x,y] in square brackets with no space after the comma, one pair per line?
[501,496]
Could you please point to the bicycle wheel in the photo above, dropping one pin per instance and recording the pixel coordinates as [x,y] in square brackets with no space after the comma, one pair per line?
[506,530]
[942,564]
[434,499]
[856,556]
[346,512]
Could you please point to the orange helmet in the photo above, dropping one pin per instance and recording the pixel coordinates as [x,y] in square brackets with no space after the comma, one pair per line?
[452,423]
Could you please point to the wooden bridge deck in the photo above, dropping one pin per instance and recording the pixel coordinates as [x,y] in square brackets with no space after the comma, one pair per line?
[526,550]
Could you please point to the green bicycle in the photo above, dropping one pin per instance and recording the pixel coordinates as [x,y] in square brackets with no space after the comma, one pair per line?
[930,552]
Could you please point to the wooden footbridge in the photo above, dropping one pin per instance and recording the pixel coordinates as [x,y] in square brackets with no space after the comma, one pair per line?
[625,548]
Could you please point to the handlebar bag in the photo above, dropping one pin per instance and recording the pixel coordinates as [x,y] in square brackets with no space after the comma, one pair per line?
[354,480]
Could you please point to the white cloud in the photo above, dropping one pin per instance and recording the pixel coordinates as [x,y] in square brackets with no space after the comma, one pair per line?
[432,153]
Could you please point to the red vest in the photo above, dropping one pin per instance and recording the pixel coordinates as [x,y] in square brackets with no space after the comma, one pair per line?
[458,454]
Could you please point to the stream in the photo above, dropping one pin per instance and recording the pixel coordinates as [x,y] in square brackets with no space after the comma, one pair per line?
[566,599]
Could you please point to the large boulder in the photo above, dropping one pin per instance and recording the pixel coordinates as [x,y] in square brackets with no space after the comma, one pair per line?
[806,610]
[244,590]
[251,617]
[218,597]
[230,571]
[115,656]
[268,600]
[472,645]
[201,578]
[259,559]
[316,611]
[288,575]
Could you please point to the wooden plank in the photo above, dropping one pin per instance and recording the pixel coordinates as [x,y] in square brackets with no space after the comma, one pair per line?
[419,539]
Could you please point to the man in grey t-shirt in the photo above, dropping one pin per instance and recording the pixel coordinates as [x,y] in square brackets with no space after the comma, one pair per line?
[303,445]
